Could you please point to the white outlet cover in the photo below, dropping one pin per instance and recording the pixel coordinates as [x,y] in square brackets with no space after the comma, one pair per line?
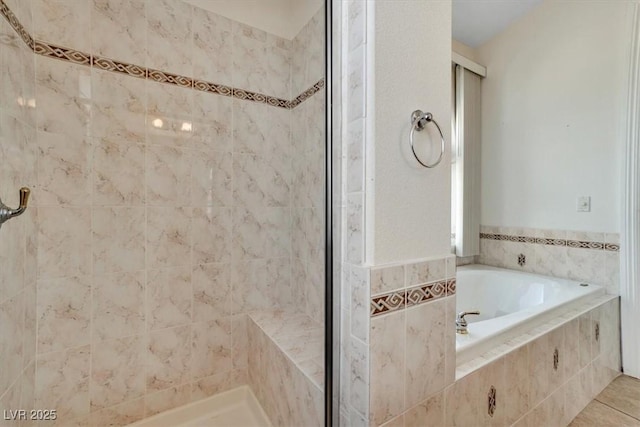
[584,204]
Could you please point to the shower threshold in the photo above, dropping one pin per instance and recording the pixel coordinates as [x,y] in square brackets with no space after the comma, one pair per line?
[234,408]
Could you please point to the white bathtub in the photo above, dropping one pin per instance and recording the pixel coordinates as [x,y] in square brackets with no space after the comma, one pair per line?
[508,301]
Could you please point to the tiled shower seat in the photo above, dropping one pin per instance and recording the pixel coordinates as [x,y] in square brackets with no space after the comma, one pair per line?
[286,366]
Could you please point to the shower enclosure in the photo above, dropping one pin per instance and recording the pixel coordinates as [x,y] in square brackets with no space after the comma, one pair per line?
[174,246]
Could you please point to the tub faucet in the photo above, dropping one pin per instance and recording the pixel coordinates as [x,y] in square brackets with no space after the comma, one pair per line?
[461,322]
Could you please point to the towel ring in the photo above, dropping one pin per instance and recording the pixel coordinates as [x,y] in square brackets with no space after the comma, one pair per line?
[419,121]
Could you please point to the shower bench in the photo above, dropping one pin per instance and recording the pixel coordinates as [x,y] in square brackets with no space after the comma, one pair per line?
[286,366]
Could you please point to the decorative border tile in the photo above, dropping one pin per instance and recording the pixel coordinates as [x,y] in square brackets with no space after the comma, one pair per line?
[387,303]
[424,293]
[553,242]
[405,298]
[107,64]
[451,287]
[16,25]
[62,53]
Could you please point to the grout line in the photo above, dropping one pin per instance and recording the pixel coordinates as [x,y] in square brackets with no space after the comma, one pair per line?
[595,399]
[614,408]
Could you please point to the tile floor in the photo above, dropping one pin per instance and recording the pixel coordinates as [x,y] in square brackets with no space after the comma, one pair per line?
[617,405]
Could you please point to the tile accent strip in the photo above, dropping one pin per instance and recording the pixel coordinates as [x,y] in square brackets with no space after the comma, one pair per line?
[15,24]
[404,298]
[107,64]
[613,247]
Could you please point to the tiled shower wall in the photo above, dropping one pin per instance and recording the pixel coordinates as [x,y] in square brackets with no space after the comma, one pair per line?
[307,170]
[163,213]
[17,249]
[576,255]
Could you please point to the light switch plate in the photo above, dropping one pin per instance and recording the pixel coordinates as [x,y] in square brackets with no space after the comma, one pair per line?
[584,204]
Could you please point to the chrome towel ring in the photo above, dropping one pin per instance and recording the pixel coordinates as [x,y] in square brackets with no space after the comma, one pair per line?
[419,121]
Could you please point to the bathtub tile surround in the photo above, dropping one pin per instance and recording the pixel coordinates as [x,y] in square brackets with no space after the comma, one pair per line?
[535,392]
[148,224]
[434,278]
[409,370]
[586,256]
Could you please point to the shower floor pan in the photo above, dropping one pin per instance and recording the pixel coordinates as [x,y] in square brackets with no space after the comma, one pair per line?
[234,408]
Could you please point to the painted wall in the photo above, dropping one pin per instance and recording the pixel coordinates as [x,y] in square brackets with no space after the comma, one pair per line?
[553,106]
[411,217]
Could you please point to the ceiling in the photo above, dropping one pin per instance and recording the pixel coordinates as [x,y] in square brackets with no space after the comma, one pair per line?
[476,21]
[284,18]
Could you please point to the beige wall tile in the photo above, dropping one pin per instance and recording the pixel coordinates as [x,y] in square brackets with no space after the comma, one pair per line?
[64,241]
[118,239]
[425,272]
[211,348]
[11,329]
[169,36]
[212,45]
[117,371]
[168,237]
[169,298]
[118,306]
[64,313]
[387,279]
[166,399]
[425,351]
[387,367]
[517,384]
[544,378]
[119,29]
[429,412]
[62,382]
[168,358]
[119,171]
[211,291]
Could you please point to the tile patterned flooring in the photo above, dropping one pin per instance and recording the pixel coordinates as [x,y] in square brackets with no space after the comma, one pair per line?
[617,405]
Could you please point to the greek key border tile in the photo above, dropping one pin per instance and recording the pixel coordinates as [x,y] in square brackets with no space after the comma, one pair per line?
[613,247]
[107,64]
[405,298]
[62,53]
[451,287]
[16,25]
[424,293]
[387,303]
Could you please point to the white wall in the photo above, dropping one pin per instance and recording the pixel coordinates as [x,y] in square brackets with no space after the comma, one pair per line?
[553,106]
[412,70]
[284,18]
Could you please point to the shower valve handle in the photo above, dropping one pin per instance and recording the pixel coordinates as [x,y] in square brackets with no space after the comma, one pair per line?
[6,213]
